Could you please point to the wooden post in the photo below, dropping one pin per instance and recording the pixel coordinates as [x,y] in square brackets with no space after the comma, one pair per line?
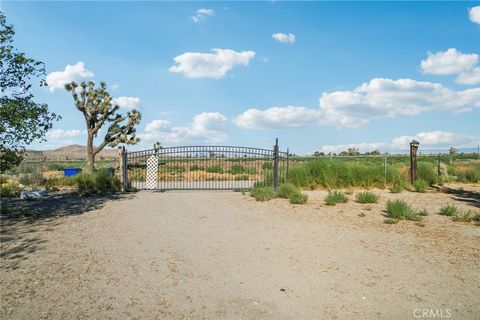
[413,160]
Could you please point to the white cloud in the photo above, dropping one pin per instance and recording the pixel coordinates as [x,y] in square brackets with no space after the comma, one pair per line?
[277,118]
[474,14]
[448,62]
[127,102]
[210,65]
[207,127]
[284,38]
[379,98]
[363,147]
[469,77]
[56,134]
[437,139]
[202,14]
[114,86]
[428,141]
[76,72]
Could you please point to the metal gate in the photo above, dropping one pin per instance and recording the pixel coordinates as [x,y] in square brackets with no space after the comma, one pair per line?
[204,168]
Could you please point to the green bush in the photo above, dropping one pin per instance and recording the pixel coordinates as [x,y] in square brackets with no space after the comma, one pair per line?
[298,198]
[196,167]
[426,172]
[215,169]
[400,210]
[9,191]
[54,167]
[25,180]
[463,217]
[399,186]
[449,210]
[99,182]
[236,169]
[3,179]
[334,197]
[262,193]
[420,186]
[290,191]
[367,197]
[267,166]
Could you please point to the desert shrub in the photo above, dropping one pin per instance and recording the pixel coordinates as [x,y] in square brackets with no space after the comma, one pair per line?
[399,186]
[236,169]
[54,166]
[267,166]
[449,210]
[262,193]
[100,182]
[242,177]
[9,190]
[54,183]
[215,169]
[476,218]
[334,197]
[3,179]
[298,198]
[472,176]
[367,197]
[196,167]
[290,191]
[426,172]
[463,217]
[420,186]
[25,180]
[400,210]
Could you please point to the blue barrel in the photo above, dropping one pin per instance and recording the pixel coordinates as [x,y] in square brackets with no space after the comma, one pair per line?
[70,172]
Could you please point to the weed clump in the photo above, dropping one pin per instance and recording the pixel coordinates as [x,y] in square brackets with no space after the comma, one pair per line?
[449,210]
[367,197]
[334,197]
[290,191]
[420,186]
[262,193]
[400,210]
[215,169]
[399,186]
[99,182]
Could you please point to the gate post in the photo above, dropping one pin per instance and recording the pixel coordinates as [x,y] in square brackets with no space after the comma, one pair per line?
[275,165]
[288,158]
[122,152]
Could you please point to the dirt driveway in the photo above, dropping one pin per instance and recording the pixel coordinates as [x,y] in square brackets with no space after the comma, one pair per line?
[226,256]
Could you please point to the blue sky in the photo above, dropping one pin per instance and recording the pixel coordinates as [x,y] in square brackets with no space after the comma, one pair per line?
[317,75]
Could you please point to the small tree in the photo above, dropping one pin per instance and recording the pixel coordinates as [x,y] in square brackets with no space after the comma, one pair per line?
[353,151]
[22,119]
[98,110]
[453,151]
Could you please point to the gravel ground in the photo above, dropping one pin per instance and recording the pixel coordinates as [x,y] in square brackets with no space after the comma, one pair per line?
[222,255]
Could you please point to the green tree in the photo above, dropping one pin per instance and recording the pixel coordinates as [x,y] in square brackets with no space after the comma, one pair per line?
[453,151]
[22,119]
[98,110]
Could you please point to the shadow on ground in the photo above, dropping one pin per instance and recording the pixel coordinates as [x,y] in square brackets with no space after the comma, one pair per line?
[470,197]
[22,222]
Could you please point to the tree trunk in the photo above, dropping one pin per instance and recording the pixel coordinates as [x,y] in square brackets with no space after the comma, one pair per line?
[90,154]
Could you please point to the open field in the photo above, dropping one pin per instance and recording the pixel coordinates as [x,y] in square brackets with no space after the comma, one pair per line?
[223,255]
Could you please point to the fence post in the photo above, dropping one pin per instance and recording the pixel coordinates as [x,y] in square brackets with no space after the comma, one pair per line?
[413,160]
[275,165]
[288,158]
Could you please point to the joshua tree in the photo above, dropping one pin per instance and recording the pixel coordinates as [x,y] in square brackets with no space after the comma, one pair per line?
[97,108]
[453,151]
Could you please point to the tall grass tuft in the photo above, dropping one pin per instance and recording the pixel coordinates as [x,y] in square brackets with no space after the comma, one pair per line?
[367,197]
[400,210]
[449,210]
[99,182]
[399,186]
[262,193]
[290,191]
[334,197]
[420,186]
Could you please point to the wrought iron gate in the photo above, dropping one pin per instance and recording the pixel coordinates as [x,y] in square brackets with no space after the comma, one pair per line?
[204,168]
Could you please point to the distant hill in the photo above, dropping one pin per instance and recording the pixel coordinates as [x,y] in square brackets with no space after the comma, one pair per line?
[75,151]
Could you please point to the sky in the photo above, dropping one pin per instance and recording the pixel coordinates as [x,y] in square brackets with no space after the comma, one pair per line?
[320,76]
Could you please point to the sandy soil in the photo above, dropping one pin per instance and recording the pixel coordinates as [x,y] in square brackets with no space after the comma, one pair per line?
[223,255]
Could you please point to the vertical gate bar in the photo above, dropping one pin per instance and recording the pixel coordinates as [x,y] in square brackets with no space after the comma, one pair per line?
[288,165]
[275,165]
[124,168]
